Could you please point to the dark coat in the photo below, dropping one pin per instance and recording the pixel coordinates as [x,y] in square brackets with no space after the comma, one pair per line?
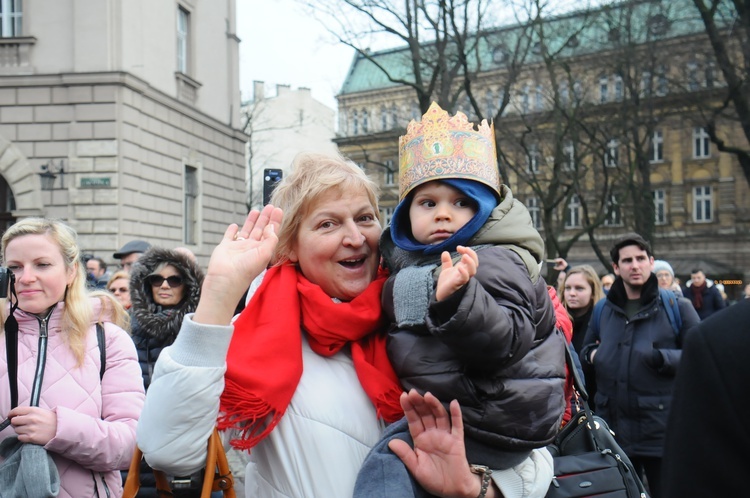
[494,347]
[635,365]
[712,300]
[153,326]
[706,450]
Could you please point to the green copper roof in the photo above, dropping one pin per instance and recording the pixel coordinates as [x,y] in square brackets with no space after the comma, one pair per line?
[595,30]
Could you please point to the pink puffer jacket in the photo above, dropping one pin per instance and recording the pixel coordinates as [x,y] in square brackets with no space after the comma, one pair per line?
[96,420]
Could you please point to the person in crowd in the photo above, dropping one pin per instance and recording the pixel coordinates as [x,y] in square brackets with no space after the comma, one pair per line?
[480,328]
[96,273]
[713,380]
[665,276]
[164,287]
[119,286]
[705,297]
[635,352]
[746,292]
[581,290]
[130,252]
[310,404]
[85,419]
[607,281]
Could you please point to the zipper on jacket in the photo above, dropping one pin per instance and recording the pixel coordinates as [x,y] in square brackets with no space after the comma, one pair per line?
[96,485]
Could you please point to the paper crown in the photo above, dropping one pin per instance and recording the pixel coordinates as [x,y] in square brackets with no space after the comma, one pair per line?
[441,146]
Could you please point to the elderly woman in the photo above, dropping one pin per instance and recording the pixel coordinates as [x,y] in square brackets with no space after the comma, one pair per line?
[310,404]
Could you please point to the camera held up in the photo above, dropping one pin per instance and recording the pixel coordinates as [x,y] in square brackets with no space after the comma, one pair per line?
[7,280]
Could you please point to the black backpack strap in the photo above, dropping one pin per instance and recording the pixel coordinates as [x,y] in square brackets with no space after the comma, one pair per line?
[11,349]
[102,349]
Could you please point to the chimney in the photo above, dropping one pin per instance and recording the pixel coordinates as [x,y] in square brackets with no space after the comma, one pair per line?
[282,89]
[258,89]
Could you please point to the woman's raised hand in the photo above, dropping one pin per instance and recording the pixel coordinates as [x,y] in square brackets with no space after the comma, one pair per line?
[242,255]
[438,459]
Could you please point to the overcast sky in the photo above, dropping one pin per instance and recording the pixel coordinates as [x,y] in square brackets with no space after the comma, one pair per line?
[282,46]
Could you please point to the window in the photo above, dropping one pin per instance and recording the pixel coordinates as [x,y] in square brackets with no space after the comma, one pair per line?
[603,89]
[618,88]
[365,121]
[183,40]
[383,118]
[646,83]
[614,216]
[10,18]
[525,100]
[573,212]
[569,155]
[394,116]
[500,99]
[532,159]
[710,74]
[692,76]
[701,144]
[660,207]
[611,158]
[702,204]
[657,147]
[564,93]
[415,111]
[390,174]
[539,98]
[388,215]
[499,54]
[658,25]
[355,123]
[190,214]
[662,87]
[532,204]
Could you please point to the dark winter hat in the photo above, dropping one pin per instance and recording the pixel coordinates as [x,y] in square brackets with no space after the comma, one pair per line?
[131,247]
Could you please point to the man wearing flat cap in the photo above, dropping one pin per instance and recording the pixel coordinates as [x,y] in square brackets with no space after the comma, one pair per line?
[130,252]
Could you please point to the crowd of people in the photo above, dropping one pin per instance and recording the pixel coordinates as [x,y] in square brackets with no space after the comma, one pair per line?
[426,359]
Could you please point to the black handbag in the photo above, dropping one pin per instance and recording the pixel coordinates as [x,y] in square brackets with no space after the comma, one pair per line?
[587,459]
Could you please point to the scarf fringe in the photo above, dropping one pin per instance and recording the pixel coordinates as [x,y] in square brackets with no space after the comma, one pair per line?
[253,417]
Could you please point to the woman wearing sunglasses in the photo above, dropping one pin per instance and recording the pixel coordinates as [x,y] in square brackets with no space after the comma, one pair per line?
[164,286]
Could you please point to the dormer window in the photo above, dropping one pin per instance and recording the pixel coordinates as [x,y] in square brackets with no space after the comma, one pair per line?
[499,54]
[658,25]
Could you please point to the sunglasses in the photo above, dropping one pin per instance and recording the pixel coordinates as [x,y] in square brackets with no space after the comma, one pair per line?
[158,280]
[115,289]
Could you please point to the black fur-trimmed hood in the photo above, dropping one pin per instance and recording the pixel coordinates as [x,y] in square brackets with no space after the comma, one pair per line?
[150,319]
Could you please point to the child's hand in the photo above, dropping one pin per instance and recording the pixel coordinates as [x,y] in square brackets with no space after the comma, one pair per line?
[452,278]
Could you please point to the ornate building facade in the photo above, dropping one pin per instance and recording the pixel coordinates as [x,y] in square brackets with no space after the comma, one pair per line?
[606,107]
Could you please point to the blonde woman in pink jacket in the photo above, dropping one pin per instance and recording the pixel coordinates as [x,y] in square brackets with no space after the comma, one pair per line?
[85,420]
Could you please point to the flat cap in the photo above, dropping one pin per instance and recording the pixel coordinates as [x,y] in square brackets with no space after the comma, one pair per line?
[131,247]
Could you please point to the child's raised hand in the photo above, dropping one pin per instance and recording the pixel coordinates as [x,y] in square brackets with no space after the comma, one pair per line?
[453,277]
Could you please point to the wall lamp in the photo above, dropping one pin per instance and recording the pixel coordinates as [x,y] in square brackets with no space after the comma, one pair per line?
[49,174]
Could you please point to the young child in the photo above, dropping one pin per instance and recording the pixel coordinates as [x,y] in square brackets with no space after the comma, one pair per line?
[470,315]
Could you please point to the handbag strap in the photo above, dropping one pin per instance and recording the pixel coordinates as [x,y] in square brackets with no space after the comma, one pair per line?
[582,394]
[217,477]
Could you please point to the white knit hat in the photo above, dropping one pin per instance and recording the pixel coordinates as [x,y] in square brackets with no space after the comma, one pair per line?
[660,265]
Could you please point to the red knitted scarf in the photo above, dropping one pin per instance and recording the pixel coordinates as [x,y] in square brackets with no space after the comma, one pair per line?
[264,362]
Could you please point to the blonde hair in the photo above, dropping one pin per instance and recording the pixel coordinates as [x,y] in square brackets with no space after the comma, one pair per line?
[117,276]
[591,277]
[77,313]
[312,176]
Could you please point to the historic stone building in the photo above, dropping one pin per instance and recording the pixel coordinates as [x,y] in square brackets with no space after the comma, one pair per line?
[131,111]
[638,78]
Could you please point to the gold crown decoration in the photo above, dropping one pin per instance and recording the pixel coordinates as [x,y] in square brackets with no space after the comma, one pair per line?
[441,146]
